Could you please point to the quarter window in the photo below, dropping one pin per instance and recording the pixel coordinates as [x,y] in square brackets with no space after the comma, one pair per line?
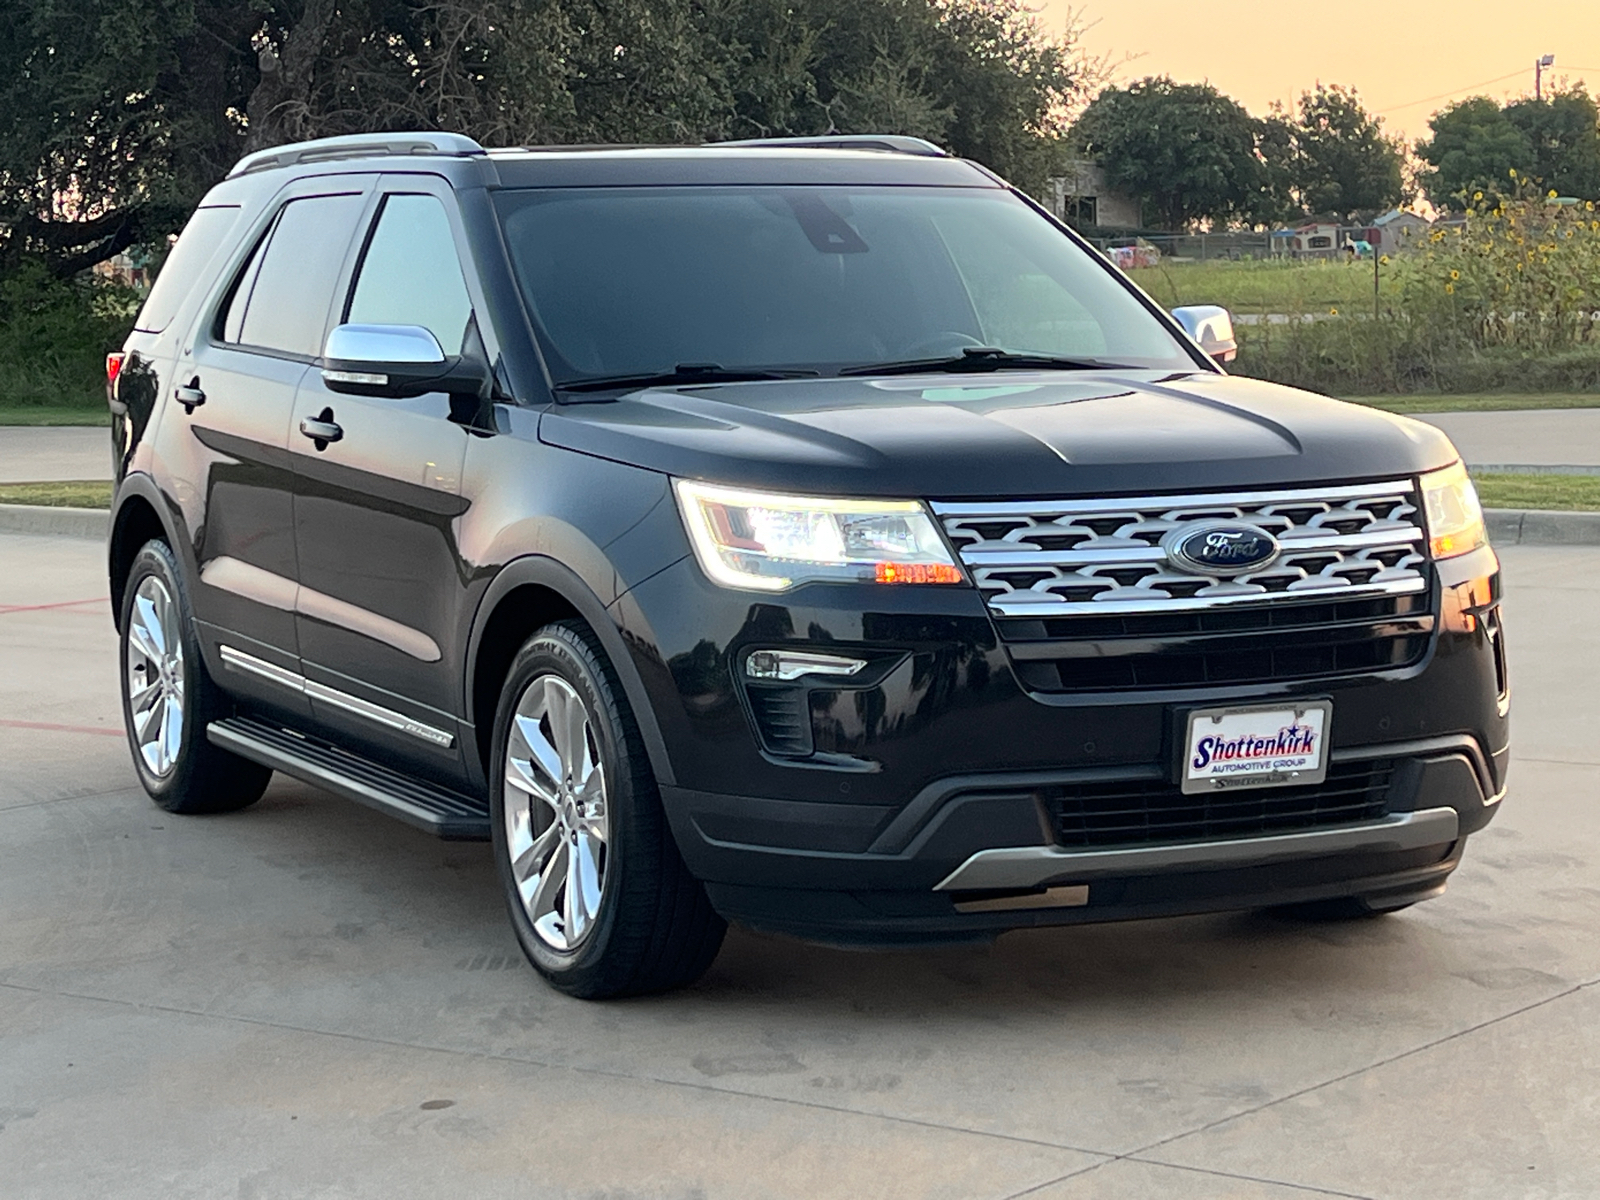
[411,274]
[180,274]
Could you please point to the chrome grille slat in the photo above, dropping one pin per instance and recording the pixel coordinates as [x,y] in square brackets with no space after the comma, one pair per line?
[1072,557]
[1205,502]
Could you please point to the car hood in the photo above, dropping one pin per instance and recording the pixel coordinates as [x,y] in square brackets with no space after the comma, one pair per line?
[1006,433]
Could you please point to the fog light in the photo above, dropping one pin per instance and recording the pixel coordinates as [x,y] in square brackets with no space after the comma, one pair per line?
[790,664]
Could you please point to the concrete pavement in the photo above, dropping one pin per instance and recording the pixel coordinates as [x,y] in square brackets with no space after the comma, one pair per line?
[54,453]
[307,999]
[1539,437]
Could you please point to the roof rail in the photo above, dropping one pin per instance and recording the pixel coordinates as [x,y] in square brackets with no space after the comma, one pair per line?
[359,145]
[894,143]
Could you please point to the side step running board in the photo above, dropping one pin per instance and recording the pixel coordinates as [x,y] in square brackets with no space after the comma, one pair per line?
[448,814]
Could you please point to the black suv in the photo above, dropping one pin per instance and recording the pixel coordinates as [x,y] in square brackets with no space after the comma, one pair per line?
[814,535]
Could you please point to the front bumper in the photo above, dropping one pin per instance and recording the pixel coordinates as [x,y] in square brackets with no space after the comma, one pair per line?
[922,811]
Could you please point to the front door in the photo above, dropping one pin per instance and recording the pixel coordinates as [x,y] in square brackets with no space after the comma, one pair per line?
[238,382]
[375,510]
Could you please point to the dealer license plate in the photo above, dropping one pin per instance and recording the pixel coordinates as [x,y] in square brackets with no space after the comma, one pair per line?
[1263,746]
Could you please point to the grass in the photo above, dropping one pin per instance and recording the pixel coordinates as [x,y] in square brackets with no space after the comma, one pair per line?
[76,494]
[43,414]
[1568,493]
[1265,286]
[1479,402]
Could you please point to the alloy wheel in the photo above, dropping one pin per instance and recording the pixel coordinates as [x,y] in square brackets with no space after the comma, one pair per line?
[556,817]
[154,680]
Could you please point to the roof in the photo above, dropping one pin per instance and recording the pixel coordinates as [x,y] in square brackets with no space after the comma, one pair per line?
[832,159]
[1395,214]
[725,165]
[838,158]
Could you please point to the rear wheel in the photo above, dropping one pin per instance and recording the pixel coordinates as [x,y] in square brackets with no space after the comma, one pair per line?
[168,699]
[600,899]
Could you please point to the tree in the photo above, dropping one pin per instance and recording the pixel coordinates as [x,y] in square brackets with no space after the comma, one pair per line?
[1563,135]
[1188,152]
[1342,164]
[1473,148]
[116,115]
[101,102]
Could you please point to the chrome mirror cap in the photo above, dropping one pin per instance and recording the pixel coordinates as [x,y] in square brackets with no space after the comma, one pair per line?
[1211,326]
[383,344]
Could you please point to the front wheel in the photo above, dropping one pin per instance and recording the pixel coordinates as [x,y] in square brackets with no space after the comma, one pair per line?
[600,899]
[168,699]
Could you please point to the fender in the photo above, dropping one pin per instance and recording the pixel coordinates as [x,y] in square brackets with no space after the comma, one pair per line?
[537,569]
[142,485]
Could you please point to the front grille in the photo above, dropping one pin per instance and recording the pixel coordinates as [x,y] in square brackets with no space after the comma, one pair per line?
[1086,598]
[1096,557]
[1141,812]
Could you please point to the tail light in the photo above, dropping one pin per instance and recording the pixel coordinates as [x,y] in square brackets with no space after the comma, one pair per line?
[114,364]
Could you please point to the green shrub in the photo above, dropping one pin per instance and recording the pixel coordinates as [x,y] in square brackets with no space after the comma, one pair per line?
[54,336]
[1508,302]
[1356,356]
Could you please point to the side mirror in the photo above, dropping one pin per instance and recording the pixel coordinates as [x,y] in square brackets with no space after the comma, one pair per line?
[1212,326]
[395,361]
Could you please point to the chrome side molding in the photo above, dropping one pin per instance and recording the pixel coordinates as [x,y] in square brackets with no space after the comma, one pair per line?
[1041,866]
[249,664]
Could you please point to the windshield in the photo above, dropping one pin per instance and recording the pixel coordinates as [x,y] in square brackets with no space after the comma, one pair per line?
[636,281]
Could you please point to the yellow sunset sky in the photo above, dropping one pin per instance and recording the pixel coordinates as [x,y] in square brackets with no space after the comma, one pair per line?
[1407,60]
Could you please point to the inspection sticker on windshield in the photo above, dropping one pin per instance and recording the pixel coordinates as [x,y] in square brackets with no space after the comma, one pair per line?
[1256,747]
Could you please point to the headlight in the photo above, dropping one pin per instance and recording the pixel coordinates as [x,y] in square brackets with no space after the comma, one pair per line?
[757,540]
[1455,518]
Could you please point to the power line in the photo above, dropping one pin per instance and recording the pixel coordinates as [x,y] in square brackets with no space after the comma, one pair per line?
[1465,88]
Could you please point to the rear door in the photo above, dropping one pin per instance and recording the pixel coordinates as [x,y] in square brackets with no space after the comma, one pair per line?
[381,578]
[238,384]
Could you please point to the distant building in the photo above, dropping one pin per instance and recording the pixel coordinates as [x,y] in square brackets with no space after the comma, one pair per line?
[130,267]
[1312,239]
[1082,196]
[1397,229]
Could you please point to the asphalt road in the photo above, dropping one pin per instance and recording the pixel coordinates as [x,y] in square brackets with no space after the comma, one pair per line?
[1533,437]
[308,1000]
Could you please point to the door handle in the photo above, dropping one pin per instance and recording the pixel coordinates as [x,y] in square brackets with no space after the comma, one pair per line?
[189,395]
[321,428]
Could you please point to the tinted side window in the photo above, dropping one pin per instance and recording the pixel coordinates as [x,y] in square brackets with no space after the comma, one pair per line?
[291,286]
[181,273]
[410,274]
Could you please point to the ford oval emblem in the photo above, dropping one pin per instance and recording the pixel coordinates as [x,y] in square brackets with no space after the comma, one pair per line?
[1220,548]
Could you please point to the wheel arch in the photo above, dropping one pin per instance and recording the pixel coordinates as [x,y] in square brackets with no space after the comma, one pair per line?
[526,595]
[139,517]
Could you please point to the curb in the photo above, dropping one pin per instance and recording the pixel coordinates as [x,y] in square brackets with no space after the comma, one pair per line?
[1538,527]
[1507,526]
[62,522]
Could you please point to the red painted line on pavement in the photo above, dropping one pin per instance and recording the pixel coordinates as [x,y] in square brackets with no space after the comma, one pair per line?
[11,608]
[49,727]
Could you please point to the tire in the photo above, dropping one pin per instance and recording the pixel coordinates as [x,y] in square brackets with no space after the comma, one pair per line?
[636,922]
[168,699]
[1341,908]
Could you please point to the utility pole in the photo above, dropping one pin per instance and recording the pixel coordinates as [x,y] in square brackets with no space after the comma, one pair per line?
[1540,66]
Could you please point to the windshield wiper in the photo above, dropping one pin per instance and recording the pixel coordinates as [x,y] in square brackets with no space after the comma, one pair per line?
[682,374]
[978,358]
